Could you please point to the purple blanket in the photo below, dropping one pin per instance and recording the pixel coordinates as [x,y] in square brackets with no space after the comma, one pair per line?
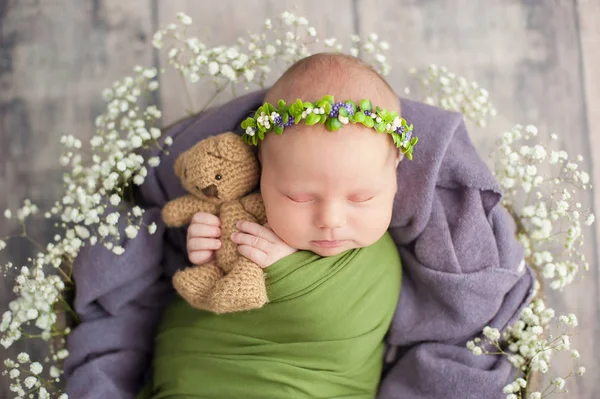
[460,258]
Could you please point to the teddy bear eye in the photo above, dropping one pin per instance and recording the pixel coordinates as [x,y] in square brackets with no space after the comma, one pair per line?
[218,177]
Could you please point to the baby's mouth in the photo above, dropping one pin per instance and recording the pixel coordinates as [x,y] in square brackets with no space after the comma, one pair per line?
[210,191]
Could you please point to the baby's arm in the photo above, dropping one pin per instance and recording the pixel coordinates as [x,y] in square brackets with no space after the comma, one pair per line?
[179,211]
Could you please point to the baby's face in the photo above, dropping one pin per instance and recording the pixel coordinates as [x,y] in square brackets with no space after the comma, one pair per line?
[328,192]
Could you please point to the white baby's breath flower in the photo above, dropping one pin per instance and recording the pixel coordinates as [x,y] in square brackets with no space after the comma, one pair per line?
[36,368]
[8,213]
[23,357]
[115,199]
[30,382]
[113,218]
[118,250]
[131,231]
[154,161]
[138,180]
[152,228]
[213,68]
[169,141]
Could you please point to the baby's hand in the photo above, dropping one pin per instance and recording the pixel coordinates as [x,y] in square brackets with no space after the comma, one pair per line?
[260,244]
[202,237]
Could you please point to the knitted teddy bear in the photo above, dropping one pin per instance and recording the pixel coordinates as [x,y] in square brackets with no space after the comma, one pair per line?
[220,173]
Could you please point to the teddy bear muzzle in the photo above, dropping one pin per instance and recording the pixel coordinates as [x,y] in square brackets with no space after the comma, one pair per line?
[211,191]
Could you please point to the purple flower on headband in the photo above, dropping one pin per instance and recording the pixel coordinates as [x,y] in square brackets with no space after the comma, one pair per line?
[335,110]
[349,109]
[278,120]
[290,121]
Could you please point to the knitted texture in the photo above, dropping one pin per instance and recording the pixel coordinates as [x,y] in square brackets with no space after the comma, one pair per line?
[219,172]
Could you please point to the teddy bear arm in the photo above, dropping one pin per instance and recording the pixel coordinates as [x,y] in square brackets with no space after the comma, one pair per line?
[179,212]
[254,205]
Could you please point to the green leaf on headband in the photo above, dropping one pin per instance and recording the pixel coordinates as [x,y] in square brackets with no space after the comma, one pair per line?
[380,127]
[414,141]
[344,112]
[329,99]
[323,118]
[365,105]
[248,122]
[369,122]
[260,134]
[307,104]
[285,118]
[278,130]
[327,108]
[333,124]
[312,119]
[281,104]
[255,140]
[360,117]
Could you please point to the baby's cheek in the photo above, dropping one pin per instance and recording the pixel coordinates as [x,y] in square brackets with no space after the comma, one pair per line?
[288,224]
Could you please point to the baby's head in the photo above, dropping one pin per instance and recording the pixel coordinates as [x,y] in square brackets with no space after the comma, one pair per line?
[324,191]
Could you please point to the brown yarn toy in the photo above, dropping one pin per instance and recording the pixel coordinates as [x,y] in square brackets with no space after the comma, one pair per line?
[219,173]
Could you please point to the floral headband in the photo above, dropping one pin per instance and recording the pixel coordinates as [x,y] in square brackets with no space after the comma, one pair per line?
[334,115]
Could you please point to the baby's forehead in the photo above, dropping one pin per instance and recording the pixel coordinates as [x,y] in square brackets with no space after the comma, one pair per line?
[345,82]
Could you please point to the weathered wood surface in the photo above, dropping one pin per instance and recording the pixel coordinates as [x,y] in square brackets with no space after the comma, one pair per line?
[538,59]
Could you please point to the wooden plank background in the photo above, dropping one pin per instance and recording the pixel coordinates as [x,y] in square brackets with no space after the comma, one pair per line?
[539,60]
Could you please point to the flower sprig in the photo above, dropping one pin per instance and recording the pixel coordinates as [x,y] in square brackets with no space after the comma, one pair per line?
[285,40]
[333,115]
[543,202]
[93,209]
[453,92]
[529,346]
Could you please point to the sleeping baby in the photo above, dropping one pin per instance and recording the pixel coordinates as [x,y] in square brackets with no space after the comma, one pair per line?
[332,271]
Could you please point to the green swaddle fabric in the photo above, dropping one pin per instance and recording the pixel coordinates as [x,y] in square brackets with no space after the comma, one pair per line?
[320,336]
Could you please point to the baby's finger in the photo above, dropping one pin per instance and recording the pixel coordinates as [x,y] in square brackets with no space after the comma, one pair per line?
[253,241]
[203,230]
[202,244]
[255,255]
[257,230]
[200,257]
[206,218]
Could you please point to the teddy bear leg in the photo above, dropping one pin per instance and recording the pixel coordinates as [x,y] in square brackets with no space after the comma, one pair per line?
[243,288]
[195,283]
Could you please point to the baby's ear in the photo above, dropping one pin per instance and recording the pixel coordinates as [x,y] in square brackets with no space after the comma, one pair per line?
[179,163]
[232,148]
[399,157]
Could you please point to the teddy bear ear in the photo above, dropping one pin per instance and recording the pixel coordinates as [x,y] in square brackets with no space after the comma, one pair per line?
[232,148]
[179,165]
